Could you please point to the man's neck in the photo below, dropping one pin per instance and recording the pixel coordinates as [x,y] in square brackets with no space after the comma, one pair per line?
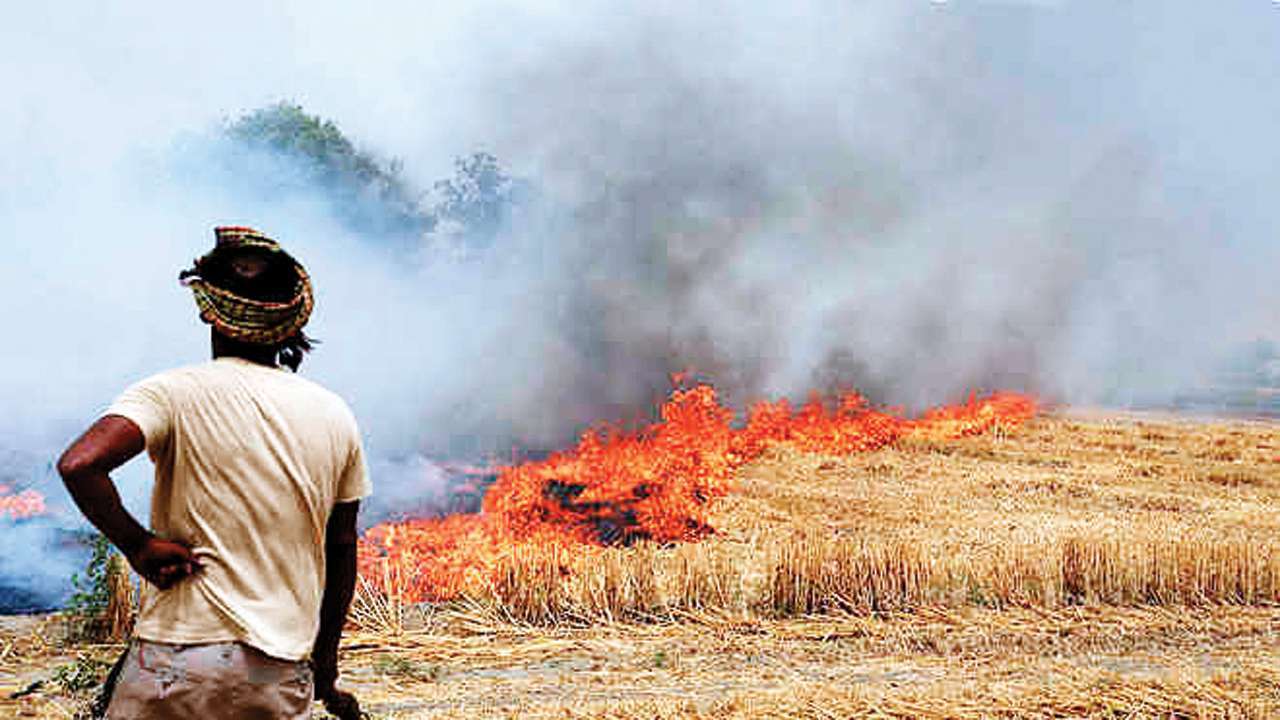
[260,354]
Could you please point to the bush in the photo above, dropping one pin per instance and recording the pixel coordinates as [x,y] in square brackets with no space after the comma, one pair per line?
[101,604]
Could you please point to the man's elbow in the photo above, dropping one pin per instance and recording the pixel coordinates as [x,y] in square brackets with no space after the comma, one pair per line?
[74,465]
[106,445]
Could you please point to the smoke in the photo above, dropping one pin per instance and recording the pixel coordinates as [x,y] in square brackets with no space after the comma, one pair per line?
[912,198]
[921,200]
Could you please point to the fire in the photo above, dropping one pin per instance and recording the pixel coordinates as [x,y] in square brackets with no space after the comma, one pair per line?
[616,488]
[25,504]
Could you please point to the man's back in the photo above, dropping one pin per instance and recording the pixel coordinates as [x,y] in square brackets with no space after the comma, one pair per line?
[250,562]
[250,460]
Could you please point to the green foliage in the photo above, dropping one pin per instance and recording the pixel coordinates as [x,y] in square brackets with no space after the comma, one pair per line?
[82,674]
[369,194]
[478,198]
[91,587]
[87,616]
[286,128]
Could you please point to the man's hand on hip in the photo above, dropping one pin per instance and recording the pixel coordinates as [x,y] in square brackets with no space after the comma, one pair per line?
[163,563]
[85,468]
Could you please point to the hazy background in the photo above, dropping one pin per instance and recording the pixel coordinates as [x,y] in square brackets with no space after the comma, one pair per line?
[912,198]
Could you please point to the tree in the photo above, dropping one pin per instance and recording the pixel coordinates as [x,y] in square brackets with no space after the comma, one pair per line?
[477,201]
[370,195]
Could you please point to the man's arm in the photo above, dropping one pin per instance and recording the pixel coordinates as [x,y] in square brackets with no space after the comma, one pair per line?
[85,468]
[340,583]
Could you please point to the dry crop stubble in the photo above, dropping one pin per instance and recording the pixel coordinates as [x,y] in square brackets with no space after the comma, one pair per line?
[1081,566]
[1052,517]
[1084,567]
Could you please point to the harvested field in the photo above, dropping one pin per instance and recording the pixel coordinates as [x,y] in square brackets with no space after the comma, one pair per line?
[1080,566]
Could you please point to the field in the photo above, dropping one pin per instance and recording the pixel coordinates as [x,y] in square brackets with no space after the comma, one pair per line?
[1082,565]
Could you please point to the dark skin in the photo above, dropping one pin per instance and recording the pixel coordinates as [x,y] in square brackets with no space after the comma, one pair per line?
[112,441]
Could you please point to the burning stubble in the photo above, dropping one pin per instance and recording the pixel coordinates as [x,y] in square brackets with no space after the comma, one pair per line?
[654,486]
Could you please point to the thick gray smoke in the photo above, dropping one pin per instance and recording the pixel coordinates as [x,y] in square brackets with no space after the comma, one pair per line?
[920,201]
[912,198]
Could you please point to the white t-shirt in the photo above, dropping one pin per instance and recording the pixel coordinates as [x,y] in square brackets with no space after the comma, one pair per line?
[250,461]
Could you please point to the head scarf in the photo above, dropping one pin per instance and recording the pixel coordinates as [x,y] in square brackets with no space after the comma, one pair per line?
[240,318]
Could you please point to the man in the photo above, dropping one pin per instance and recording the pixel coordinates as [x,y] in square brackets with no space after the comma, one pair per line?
[250,564]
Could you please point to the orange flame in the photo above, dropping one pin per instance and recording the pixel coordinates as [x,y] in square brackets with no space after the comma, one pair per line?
[615,488]
[25,504]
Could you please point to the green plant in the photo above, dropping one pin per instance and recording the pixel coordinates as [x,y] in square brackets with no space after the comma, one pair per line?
[90,586]
[82,674]
[101,604]
[91,590]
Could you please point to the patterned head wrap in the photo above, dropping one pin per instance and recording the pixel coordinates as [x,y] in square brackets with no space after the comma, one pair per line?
[260,322]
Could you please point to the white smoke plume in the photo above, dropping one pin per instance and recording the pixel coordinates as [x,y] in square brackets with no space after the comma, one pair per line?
[912,198]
